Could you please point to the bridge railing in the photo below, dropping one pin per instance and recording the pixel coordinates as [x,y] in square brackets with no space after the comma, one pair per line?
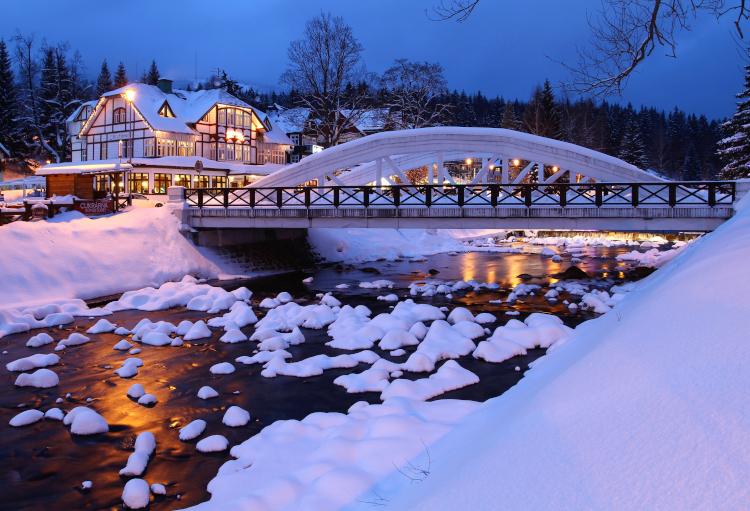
[665,194]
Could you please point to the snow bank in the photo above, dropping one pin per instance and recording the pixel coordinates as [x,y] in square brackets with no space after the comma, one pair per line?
[643,408]
[41,262]
[328,460]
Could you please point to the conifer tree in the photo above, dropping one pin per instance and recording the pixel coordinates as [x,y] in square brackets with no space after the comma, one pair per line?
[121,77]
[542,116]
[734,149]
[692,168]
[152,75]
[632,149]
[8,101]
[104,81]
[510,119]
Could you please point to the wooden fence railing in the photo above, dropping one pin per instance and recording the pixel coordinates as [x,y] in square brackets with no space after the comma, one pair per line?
[667,194]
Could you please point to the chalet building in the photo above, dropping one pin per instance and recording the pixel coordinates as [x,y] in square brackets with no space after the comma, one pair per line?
[299,125]
[144,138]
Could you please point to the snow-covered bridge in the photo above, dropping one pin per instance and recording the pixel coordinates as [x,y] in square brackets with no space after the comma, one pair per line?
[506,157]
[509,180]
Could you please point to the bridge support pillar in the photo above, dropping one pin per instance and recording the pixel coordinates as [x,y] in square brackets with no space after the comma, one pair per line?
[742,187]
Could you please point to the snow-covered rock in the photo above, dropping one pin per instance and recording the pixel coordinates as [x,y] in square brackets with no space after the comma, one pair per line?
[235,417]
[26,417]
[33,362]
[85,421]
[101,326]
[41,379]
[206,392]
[192,430]
[213,443]
[136,494]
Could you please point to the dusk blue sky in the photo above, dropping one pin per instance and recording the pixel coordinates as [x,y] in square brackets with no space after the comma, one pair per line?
[505,48]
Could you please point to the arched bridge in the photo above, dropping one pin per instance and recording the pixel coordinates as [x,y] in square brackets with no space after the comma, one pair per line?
[452,177]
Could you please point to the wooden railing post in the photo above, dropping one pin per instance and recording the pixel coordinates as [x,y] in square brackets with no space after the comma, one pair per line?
[634,188]
[428,195]
[279,197]
[460,195]
[225,192]
[494,191]
[563,195]
[712,194]
[252,197]
[598,194]
[335,196]
[672,194]
[396,195]
[366,196]
[307,197]
[527,195]
[200,197]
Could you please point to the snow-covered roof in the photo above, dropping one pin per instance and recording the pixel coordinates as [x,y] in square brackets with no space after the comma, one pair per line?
[290,120]
[188,106]
[21,183]
[98,167]
[373,119]
[185,163]
[72,117]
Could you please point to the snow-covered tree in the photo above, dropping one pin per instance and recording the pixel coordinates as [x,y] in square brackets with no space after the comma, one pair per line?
[104,81]
[151,76]
[632,149]
[57,101]
[510,119]
[121,76]
[412,92]
[542,116]
[692,167]
[322,67]
[9,131]
[734,149]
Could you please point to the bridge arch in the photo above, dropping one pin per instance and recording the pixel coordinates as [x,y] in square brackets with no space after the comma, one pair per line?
[507,157]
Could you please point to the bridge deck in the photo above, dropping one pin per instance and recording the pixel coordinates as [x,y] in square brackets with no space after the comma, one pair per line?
[644,207]
[687,218]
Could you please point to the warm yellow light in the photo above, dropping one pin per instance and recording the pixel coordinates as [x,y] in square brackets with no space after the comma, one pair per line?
[130,95]
[516,163]
[144,183]
[492,167]
[468,161]
[555,168]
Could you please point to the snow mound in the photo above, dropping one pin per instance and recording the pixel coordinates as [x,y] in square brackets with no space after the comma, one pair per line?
[372,438]
[33,362]
[449,376]
[235,417]
[25,418]
[192,430]
[85,421]
[41,379]
[213,443]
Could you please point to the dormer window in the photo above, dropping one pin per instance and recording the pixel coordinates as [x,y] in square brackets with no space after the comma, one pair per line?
[166,110]
[84,114]
[118,116]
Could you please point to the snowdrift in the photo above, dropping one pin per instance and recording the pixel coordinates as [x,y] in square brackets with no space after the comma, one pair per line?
[79,257]
[645,407]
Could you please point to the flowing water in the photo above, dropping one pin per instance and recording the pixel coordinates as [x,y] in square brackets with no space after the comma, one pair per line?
[43,464]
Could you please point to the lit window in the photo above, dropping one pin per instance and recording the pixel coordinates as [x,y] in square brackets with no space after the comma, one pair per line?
[138,182]
[118,116]
[162,182]
[149,148]
[166,110]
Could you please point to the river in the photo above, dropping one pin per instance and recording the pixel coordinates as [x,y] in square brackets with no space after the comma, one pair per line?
[44,465]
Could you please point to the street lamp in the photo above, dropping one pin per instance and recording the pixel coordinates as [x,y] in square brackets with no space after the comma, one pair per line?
[129,97]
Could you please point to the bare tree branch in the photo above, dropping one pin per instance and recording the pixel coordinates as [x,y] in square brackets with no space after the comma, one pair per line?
[624,33]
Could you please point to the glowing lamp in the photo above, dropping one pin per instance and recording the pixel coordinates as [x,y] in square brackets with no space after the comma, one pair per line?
[130,95]
[516,163]
[492,167]
[468,161]
[555,168]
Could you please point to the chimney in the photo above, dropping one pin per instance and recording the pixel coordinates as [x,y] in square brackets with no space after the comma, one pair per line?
[165,85]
